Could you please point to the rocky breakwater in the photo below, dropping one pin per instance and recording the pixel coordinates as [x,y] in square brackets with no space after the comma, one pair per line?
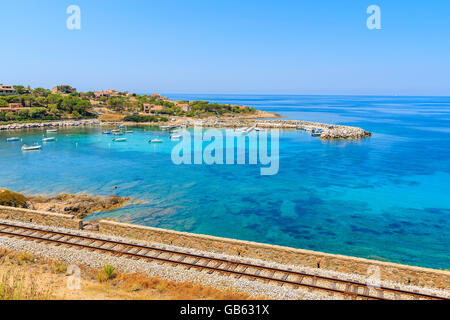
[63,123]
[327,131]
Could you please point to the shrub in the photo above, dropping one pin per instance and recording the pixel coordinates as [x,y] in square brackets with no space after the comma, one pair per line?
[26,257]
[109,271]
[161,287]
[12,199]
[60,267]
[139,118]
[106,274]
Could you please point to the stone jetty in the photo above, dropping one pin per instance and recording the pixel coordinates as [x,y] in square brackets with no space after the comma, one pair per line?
[328,131]
[62,123]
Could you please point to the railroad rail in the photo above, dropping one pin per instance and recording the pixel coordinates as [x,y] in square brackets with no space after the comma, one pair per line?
[238,269]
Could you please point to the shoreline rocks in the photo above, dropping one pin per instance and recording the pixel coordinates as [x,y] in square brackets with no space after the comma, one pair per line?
[59,123]
[328,131]
[77,205]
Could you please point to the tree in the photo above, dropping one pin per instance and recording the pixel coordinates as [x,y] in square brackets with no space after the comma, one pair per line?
[68,103]
[24,114]
[53,99]
[10,116]
[82,107]
[53,108]
[41,92]
[117,103]
[20,89]
[36,113]
[76,115]
[3,103]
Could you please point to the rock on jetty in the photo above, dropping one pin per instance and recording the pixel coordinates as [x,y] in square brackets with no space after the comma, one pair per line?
[329,131]
[63,123]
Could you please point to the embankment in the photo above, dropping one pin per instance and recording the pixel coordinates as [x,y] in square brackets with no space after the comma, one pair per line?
[370,268]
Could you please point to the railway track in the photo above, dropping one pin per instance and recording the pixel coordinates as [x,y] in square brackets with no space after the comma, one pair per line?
[238,269]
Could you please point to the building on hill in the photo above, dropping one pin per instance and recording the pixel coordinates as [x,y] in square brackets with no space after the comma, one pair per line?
[4,89]
[107,93]
[160,97]
[152,108]
[185,107]
[14,107]
[63,89]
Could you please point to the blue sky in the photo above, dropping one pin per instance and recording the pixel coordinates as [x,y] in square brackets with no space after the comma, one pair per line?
[246,46]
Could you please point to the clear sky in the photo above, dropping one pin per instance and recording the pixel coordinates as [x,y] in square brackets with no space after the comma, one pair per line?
[229,46]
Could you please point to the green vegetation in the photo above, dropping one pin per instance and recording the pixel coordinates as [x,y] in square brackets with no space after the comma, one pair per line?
[106,274]
[44,105]
[12,199]
[138,118]
[205,108]
[63,102]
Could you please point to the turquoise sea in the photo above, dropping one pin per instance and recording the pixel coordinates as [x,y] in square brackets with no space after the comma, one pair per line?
[386,197]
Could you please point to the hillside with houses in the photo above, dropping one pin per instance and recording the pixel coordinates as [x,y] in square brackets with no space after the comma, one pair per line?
[19,103]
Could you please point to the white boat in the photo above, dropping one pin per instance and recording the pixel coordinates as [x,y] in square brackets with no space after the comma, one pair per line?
[259,129]
[250,129]
[117,133]
[241,130]
[52,130]
[12,139]
[155,141]
[175,137]
[129,131]
[48,139]
[120,139]
[26,148]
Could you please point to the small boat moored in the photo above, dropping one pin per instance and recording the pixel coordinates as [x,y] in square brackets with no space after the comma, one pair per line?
[155,141]
[106,132]
[316,132]
[120,139]
[12,139]
[26,148]
[175,137]
[52,130]
[48,139]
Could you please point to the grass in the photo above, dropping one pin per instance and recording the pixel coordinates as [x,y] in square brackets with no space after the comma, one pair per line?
[15,283]
[163,289]
[111,117]
[12,199]
[24,276]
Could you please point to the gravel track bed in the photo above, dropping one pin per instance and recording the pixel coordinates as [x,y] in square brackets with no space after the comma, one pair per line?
[180,274]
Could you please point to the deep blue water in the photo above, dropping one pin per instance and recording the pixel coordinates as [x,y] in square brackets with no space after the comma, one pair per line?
[385,197]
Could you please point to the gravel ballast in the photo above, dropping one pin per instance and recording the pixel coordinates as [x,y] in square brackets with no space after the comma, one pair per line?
[180,274]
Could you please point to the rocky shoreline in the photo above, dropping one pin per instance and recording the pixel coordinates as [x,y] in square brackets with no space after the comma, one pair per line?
[328,131]
[52,124]
[77,205]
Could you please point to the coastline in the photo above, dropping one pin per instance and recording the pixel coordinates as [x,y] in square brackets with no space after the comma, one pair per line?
[412,278]
[262,120]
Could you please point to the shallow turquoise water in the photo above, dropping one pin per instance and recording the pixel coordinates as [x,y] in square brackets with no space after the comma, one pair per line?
[386,197]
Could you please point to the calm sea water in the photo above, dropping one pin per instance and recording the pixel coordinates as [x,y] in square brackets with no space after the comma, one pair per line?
[386,197]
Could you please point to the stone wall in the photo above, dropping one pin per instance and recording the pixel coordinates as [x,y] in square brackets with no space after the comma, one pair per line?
[388,271]
[40,217]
